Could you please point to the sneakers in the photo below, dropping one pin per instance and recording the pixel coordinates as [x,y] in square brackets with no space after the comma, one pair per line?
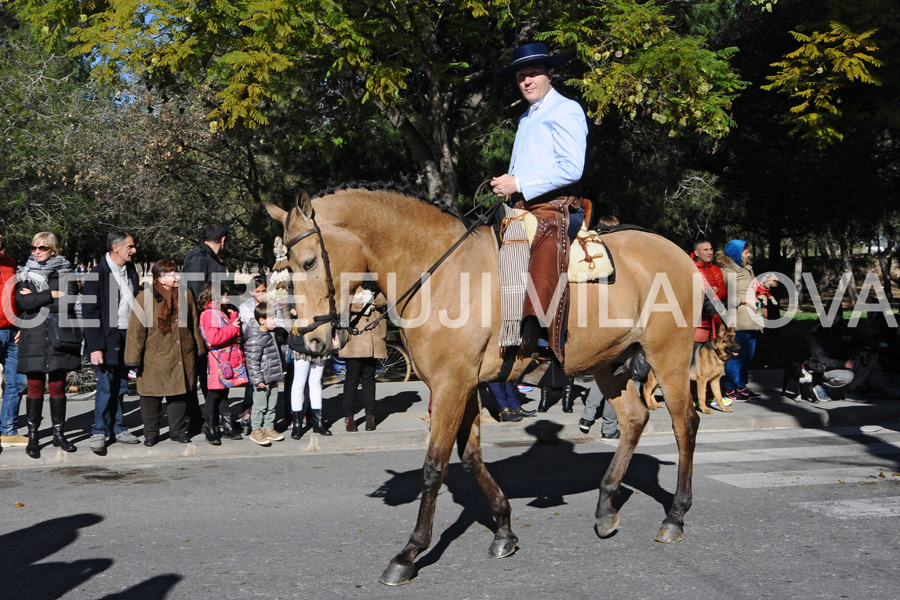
[735,395]
[98,442]
[820,394]
[611,436]
[749,394]
[259,436]
[126,438]
[12,441]
[273,435]
[584,425]
[725,402]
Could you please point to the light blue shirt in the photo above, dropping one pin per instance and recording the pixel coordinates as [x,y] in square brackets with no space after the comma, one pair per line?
[550,146]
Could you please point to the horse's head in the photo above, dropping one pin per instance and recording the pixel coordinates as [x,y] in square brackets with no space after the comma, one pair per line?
[314,293]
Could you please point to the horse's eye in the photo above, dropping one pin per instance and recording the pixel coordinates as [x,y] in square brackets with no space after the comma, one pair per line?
[309,264]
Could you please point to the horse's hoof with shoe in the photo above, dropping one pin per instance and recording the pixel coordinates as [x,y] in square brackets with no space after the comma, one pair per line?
[670,533]
[606,526]
[502,547]
[397,574]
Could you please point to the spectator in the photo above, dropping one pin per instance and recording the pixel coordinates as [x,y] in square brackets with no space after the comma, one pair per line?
[714,284]
[736,264]
[508,402]
[831,346]
[221,334]
[257,287]
[9,354]
[265,368]
[596,405]
[162,344]
[109,292]
[200,265]
[48,347]
[361,354]
[308,370]
[203,262]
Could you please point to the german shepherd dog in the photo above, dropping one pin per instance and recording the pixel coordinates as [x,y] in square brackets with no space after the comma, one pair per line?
[707,367]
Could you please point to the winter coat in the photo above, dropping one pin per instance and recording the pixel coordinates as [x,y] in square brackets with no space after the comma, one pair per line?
[95,305]
[201,261]
[36,354]
[263,357]
[743,277]
[369,344]
[167,364]
[7,292]
[712,275]
[218,333]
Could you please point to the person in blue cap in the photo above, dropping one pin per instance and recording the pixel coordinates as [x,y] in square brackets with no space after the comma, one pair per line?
[736,263]
[545,167]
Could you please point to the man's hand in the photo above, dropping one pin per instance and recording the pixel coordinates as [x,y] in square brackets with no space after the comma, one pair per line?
[849,364]
[97,358]
[505,185]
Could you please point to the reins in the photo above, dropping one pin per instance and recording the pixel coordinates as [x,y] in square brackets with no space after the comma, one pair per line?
[333,316]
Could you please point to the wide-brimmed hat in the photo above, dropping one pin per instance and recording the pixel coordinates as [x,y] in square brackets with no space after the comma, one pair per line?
[531,54]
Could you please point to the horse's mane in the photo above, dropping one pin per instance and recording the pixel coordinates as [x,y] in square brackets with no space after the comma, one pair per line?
[393,187]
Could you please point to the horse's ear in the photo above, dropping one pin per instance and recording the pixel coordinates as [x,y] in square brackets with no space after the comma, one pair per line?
[275,212]
[304,204]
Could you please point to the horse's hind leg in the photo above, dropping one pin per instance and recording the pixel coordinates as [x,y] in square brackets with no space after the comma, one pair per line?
[447,412]
[633,416]
[685,423]
[469,445]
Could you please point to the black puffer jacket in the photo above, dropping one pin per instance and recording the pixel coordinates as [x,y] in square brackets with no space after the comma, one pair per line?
[36,355]
[263,357]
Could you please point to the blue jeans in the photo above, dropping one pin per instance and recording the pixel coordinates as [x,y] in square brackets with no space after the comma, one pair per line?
[112,382]
[15,382]
[737,367]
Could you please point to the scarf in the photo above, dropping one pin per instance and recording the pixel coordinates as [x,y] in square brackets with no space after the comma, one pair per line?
[38,273]
[168,312]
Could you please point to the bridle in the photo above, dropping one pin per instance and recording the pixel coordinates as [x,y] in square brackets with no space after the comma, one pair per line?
[333,317]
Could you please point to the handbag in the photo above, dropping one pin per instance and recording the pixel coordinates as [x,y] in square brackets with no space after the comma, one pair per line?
[230,366]
[64,338]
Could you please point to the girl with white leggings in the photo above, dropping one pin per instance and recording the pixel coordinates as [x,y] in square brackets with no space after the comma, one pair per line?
[307,370]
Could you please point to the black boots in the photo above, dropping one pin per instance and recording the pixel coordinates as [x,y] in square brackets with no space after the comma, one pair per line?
[370,421]
[229,431]
[318,425]
[544,404]
[33,409]
[212,436]
[297,428]
[58,418]
[567,400]
[350,421]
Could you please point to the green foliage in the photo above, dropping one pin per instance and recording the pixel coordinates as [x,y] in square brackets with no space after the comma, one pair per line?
[817,73]
[640,66]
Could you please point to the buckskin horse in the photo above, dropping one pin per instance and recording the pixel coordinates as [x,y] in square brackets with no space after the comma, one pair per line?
[451,327]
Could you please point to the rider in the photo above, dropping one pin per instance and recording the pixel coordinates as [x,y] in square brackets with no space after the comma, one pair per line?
[546,165]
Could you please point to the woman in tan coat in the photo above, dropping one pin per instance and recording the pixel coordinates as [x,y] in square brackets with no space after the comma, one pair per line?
[164,350]
[361,356]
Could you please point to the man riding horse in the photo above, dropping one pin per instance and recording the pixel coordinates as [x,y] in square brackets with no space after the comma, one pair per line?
[546,165]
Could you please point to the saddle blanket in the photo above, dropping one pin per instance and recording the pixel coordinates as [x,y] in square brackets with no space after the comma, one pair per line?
[589,258]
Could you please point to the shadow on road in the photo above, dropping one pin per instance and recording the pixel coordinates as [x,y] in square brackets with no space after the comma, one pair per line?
[547,472]
[27,576]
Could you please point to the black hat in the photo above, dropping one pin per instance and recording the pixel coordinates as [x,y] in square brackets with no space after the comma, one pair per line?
[531,54]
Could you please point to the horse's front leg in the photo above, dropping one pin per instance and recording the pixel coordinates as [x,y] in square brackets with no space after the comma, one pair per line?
[446,414]
[469,447]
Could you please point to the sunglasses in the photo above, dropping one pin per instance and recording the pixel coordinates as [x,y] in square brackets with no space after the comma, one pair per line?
[41,248]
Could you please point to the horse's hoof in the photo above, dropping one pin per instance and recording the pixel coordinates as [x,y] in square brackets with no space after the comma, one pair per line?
[670,533]
[396,574]
[502,547]
[605,526]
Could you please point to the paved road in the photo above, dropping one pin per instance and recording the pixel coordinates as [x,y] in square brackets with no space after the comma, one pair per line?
[789,513]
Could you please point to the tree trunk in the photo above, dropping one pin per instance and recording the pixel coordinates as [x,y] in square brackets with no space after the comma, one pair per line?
[847,264]
[885,260]
[798,273]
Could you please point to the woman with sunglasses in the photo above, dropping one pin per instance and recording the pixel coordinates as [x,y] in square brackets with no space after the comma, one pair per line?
[45,297]
[162,343]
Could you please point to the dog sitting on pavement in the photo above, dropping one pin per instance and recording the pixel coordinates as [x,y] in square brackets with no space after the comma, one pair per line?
[707,367]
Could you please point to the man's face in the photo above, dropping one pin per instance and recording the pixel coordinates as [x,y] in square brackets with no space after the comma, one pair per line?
[2,247]
[534,82]
[704,252]
[125,251]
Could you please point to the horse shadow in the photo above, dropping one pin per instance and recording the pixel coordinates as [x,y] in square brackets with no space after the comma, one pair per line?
[26,575]
[554,471]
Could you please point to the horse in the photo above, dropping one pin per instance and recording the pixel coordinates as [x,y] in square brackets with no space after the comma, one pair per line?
[450,325]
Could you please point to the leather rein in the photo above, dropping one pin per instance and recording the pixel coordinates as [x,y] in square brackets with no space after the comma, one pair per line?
[333,317]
